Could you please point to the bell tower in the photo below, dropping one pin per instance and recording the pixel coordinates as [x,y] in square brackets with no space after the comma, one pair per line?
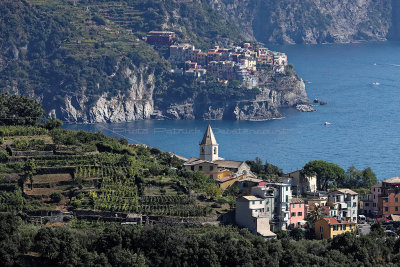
[209,146]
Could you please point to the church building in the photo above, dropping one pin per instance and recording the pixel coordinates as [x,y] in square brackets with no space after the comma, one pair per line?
[209,163]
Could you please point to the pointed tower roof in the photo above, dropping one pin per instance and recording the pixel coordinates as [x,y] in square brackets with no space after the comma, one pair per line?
[209,138]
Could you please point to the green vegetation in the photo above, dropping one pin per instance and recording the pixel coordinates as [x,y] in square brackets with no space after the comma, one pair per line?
[169,244]
[330,175]
[267,171]
[77,169]
[360,179]
[56,49]
[326,172]
[19,110]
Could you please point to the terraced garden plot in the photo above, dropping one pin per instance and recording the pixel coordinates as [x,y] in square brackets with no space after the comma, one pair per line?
[52,178]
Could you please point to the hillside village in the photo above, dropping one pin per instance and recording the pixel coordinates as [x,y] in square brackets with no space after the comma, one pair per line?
[241,63]
[58,182]
[83,185]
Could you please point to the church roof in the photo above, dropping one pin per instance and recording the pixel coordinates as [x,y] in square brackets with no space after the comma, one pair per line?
[229,164]
[209,138]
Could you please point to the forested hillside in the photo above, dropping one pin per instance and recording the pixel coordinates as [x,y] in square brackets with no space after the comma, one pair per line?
[72,55]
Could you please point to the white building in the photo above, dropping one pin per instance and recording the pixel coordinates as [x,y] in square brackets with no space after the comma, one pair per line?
[345,204]
[250,213]
[282,195]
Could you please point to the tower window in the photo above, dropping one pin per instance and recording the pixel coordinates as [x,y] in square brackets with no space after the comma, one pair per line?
[215,150]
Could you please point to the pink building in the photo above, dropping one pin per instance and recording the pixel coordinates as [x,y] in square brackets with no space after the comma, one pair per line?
[297,212]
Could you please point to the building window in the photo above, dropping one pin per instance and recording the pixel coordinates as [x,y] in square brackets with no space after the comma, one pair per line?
[396,208]
[374,205]
[287,188]
[299,213]
[354,212]
[293,214]
[299,205]
[293,206]
[321,229]
[200,168]
[354,204]
[374,196]
[348,204]
[386,200]
[192,168]
[211,176]
[253,202]
[215,150]
[335,228]
[268,209]
[211,168]
[343,227]
[287,198]
[351,226]
[386,209]
[366,204]
[354,197]
[396,199]
[260,201]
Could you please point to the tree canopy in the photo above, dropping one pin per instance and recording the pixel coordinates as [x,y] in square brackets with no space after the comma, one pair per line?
[359,178]
[326,173]
[19,110]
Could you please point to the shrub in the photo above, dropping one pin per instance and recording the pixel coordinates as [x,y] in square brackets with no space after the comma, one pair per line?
[99,20]
[3,156]
[56,197]
[76,204]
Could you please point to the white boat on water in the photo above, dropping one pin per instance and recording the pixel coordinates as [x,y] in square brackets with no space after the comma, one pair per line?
[327,123]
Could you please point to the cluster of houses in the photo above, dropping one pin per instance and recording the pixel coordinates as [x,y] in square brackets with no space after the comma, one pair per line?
[383,199]
[269,206]
[336,211]
[226,64]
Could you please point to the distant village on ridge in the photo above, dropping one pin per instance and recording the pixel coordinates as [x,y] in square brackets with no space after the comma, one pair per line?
[225,64]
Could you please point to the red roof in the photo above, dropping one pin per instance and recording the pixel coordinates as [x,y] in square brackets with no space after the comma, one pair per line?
[262,183]
[384,219]
[331,220]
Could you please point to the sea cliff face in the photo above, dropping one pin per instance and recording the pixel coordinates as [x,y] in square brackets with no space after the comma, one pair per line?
[134,104]
[276,91]
[310,21]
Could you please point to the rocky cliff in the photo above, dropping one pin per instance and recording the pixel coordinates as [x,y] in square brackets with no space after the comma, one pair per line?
[275,91]
[134,104]
[311,21]
[138,103]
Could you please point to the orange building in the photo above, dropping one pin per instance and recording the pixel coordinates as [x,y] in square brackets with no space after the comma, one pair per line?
[389,199]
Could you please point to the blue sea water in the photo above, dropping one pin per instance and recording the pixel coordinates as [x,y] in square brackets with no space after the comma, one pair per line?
[360,82]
